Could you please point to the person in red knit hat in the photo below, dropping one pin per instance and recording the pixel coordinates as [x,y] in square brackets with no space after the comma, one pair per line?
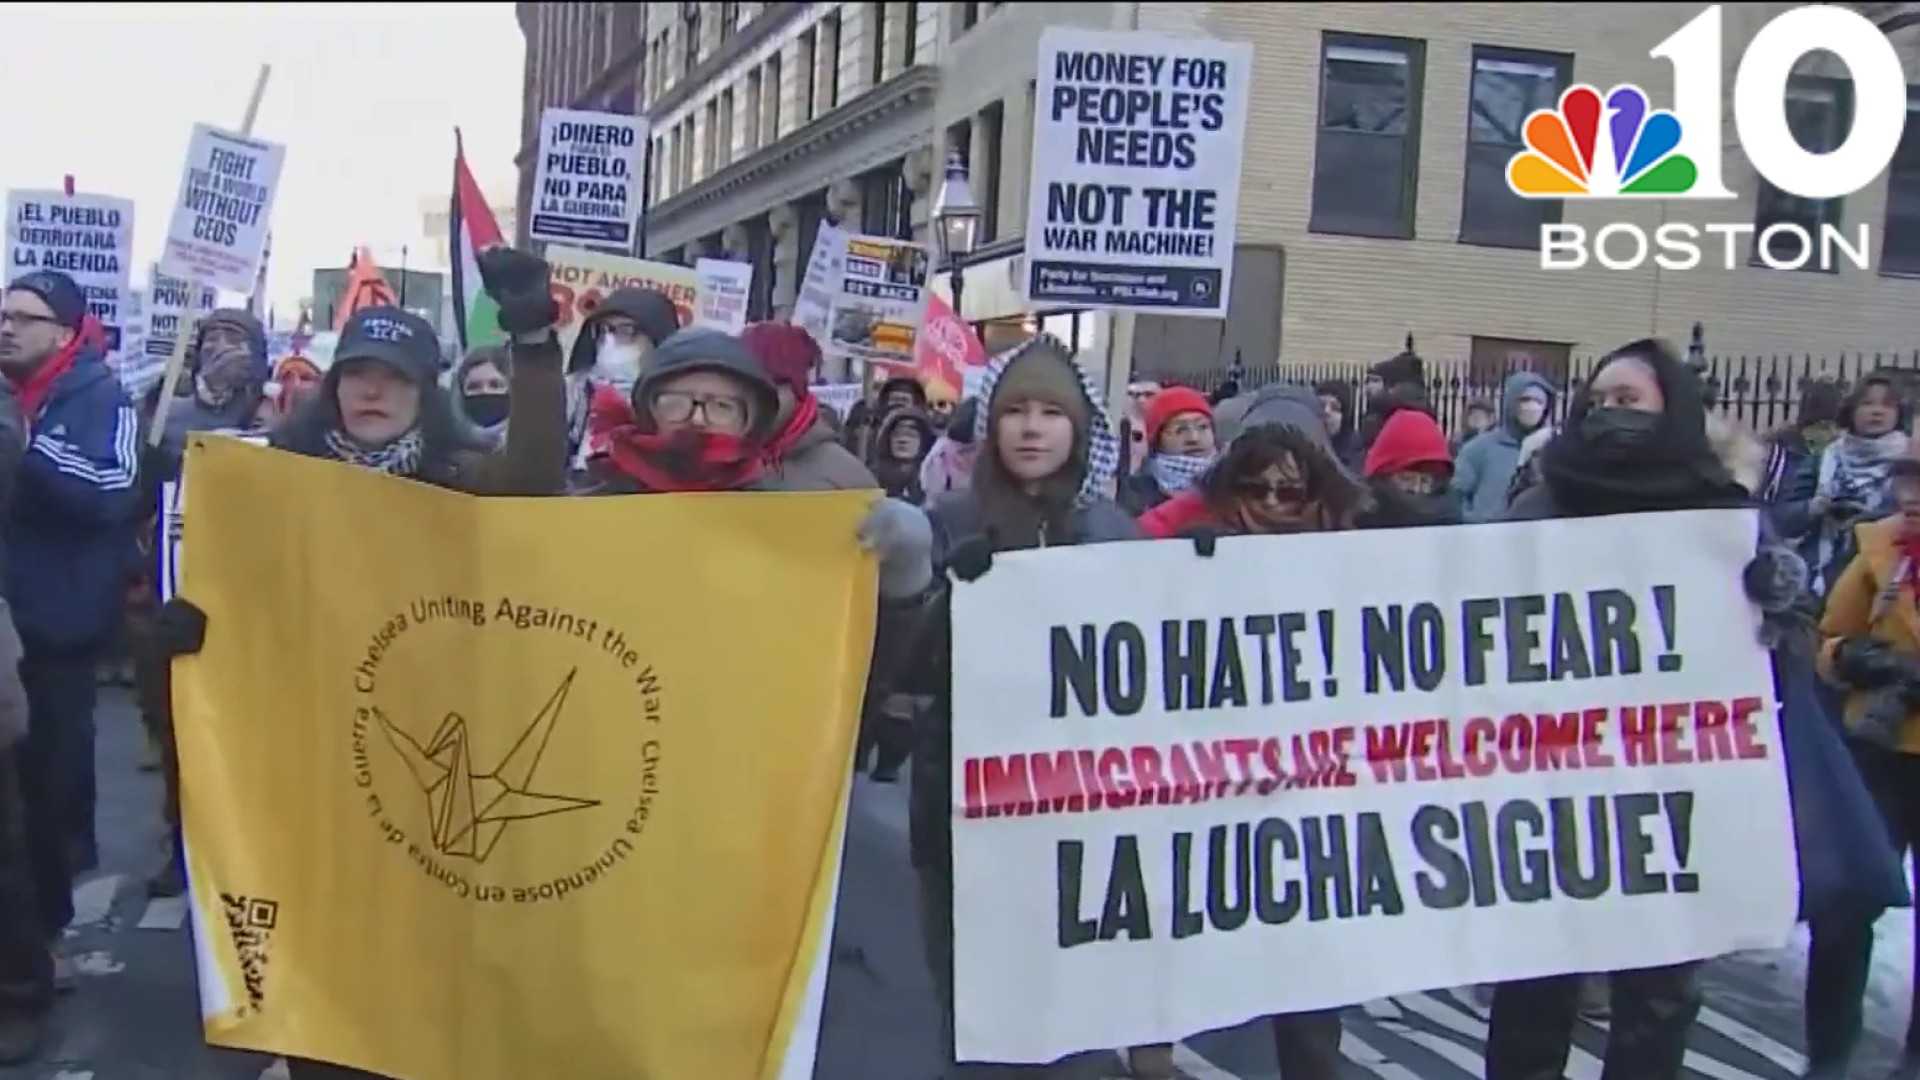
[1409,470]
[804,453]
[1178,424]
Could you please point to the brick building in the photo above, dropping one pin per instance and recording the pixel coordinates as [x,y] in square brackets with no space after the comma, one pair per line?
[1373,201]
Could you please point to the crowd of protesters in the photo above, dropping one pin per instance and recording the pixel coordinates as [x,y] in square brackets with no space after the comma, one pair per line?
[1031,459]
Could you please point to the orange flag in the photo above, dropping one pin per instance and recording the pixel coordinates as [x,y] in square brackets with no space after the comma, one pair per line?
[365,288]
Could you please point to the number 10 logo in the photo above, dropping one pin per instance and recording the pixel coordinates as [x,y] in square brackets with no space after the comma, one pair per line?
[1613,146]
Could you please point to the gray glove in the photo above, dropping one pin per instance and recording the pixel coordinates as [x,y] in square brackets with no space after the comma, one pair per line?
[903,539]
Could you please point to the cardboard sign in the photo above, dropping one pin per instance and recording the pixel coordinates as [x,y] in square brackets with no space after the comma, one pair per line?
[218,232]
[581,279]
[1395,759]
[721,294]
[89,238]
[587,186]
[878,299]
[813,304]
[1137,139]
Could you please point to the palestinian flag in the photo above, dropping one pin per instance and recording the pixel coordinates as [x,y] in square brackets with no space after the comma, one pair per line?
[473,231]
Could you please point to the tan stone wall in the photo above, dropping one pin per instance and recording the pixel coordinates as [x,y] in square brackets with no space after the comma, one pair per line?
[1352,298]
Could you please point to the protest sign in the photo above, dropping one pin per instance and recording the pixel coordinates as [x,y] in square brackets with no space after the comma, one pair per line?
[720,294]
[492,768]
[89,238]
[133,337]
[878,299]
[219,226]
[579,280]
[813,304]
[1317,769]
[173,307]
[587,187]
[946,349]
[838,396]
[1136,170]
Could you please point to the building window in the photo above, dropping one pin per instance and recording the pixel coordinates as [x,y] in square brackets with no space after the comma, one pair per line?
[969,16]
[1494,358]
[690,27]
[773,97]
[877,42]
[1819,113]
[726,127]
[710,143]
[987,181]
[1900,250]
[885,204]
[959,141]
[912,30]
[1508,85]
[808,42]
[754,105]
[831,43]
[729,20]
[658,164]
[1366,159]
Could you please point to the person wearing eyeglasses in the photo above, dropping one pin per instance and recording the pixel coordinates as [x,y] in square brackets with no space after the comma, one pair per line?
[67,534]
[1180,443]
[613,344]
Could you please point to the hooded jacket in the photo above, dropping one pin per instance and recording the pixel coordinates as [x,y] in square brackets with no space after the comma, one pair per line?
[959,518]
[470,431]
[189,414]
[1485,470]
[650,309]
[900,479]
[1409,440]
[75,500]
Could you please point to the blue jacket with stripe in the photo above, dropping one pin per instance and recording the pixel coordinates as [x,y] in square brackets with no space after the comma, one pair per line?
[72,513]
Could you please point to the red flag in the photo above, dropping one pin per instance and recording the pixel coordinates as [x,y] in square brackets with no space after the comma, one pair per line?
[945,347]
[365,288]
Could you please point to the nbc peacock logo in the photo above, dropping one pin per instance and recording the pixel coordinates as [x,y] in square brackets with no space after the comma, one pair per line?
[1595,147]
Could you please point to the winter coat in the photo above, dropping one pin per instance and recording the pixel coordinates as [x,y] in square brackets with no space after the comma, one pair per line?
[1484,471]
[73,509]
[1141,492]
[949,465]
[533,460]
[900,480]
[1792,517]
[1850,612]
[1180,516]
[819,463]
[470,431]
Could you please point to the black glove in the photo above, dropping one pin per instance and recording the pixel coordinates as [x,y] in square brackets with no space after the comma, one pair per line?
[181,627]
[970,558]
[1203,541]
[517,281]
[1867,664]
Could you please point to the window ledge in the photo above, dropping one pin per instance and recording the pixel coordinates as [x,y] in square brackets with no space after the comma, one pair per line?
[1754,263]
[1905,275]
[1365,234]
[1489,242]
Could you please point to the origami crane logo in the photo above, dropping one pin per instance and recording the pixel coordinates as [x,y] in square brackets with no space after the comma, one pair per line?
[470,810]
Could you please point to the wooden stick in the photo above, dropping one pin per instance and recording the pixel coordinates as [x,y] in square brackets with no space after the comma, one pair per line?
[178,361]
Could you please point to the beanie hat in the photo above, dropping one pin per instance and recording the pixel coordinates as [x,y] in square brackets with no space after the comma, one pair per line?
[1169,403]
[651,310]
[1033,378]
[1409,438]
[1405,367]
[787,352]
[1819,402]
[58,292]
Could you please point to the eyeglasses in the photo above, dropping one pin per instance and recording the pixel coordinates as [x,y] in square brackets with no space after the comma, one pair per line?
[1189,428]
[1258,490]
[622,332]
[720,410]
[21,320]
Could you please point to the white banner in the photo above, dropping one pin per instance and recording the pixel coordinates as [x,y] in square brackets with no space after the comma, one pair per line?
[219,227]
[587,188]
[720,295]
[1313,770]
[813,305]
[1136,170]
[89,238]
[839,396]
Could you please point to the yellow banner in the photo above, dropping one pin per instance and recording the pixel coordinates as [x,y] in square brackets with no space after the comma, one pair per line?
[496,789]
[580,279]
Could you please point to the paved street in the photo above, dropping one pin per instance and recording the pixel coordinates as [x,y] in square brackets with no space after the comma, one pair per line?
[135,1015]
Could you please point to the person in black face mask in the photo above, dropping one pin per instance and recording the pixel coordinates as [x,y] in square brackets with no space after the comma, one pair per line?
[479,399]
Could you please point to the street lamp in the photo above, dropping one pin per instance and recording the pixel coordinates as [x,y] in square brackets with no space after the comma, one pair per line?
[956,221]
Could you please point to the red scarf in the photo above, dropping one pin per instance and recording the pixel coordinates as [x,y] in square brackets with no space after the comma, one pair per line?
[685,460]
[35,388]
[806,411]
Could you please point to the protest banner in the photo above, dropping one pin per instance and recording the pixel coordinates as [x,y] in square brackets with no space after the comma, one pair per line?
[838,396]
[635,889]
[579,280]
[878,299]
[219,225]
[813,303]
[587,187]
[1135,193]
[89,238]
[1318,769]
[721,290]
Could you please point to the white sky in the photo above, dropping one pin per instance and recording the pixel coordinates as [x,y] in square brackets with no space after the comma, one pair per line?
[364,96]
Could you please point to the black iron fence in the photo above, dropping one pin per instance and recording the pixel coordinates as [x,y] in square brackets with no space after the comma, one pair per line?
[1762,392]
